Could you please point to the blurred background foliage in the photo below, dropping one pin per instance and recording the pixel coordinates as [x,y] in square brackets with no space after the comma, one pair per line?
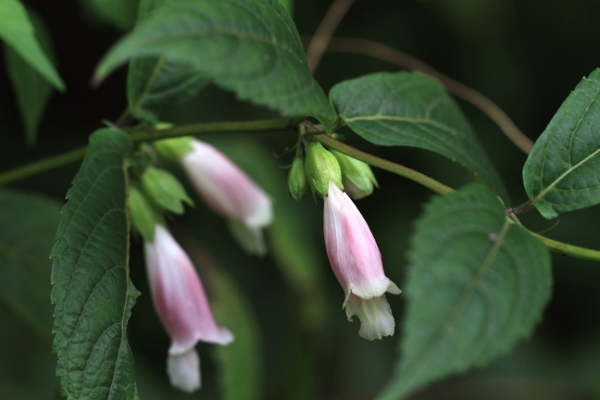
[524,55]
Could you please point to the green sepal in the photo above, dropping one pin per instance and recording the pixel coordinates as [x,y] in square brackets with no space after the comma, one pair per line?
[297,183]
[144,214]
[357,176]
[165,190]
[321,167]
[173,149]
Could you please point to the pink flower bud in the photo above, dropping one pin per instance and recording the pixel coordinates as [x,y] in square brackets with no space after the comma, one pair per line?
[356,263]
[230,193]
[182,307]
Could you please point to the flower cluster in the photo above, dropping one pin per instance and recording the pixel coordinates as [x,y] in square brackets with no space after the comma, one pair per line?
[177,292]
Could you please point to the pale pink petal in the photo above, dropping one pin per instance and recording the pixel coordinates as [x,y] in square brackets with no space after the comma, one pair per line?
[351,248]
[226,188]
[178,295]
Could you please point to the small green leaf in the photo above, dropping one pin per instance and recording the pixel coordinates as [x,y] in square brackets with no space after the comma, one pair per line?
[561,173]
[32,89]
[411,109]
[28,224]
[17,31]
[248,46]
[92,290]
[477,283]
[240,363]
[119,13]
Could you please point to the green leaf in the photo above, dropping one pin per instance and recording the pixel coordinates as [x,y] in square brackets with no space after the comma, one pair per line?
[17,31]
[477,283]
[288,5]
[240,363]
[28,224]
[32,89]
[153,83]
[561,173]
[248,46]
[119,13]
[92,290]
[411,109]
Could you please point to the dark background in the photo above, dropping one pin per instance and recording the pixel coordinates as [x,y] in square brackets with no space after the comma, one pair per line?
[524,55]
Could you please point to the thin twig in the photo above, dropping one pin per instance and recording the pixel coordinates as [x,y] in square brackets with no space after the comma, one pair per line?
[403,60]
[324,31]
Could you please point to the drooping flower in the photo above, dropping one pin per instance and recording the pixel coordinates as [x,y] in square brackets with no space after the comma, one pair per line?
[357,265]
[182,306]
[230,193]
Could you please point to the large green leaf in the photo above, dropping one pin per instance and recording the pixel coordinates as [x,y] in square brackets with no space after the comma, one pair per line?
[248,46]
[28,224]
[562,172]
[240,363]
[32,89]
[154,82]
[17,31]
[411,109]
[92,290]
[477,282]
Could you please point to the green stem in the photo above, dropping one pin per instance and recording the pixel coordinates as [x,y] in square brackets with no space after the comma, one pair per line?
[42,165]
[46,164]
[386,165]
[569,249]
[269,125]
[275,125]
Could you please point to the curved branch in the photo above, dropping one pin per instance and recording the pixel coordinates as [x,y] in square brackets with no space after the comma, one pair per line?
[403,60]
[324,31]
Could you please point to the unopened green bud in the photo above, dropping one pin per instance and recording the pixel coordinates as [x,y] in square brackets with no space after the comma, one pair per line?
[321,167]
[165,190]
[144,214]
[357,176]
[173,149]
[297,183]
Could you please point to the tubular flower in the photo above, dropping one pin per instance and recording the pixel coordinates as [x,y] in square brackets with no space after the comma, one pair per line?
[230,193]
[356,263]
[182,307]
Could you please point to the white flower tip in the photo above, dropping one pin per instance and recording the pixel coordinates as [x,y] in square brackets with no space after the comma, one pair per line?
[225,338]
[393,288]
[376,319]
[250,238]
[184,371]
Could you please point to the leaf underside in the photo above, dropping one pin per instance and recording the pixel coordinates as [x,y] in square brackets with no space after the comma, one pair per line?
[477,283]
[411,109]
[248,46]
[92,290]
[562,173]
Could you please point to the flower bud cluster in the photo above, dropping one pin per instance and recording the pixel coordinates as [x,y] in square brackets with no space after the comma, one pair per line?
[322,166]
